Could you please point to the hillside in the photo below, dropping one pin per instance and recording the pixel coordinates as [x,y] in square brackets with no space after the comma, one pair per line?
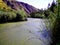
[3,5]
[28,8]
[13,4]
[20,6]
[10,11]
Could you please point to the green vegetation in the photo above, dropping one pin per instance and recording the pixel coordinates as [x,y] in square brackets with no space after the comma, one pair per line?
[39,14]
[54,18]
[11,16]
[7,14]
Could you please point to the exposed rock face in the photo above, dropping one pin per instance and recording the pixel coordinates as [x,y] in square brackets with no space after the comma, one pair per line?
[20,6]
[28,8]
[13,4]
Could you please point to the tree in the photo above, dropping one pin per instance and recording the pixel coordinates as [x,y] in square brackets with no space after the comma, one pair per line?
[52,6]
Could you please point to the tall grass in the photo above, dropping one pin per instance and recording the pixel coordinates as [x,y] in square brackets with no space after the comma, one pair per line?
[54,19]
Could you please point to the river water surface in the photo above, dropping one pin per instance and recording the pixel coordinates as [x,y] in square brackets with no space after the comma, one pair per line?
[31,32]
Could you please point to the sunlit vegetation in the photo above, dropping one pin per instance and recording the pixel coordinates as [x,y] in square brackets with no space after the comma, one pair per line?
[12,16]
[8,14]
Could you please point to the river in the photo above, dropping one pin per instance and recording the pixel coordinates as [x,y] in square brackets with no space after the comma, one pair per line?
[31,32]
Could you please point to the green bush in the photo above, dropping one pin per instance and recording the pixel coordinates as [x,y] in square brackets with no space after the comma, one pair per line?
[37,15]
[12,16]
[21,15]
[54,18]
[7,16]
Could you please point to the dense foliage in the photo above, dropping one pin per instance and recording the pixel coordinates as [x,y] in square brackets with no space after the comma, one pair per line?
[57,26]
[11,15]
[39,14]
[54,18]
[7,14]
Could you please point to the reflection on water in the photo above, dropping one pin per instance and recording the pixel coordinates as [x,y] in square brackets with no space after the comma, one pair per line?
[33,32]
[40,31]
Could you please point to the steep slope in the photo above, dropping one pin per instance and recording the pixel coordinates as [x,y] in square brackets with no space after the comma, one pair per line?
[20,6]
[13,4]
[28,8]
[3,5]
[10,11]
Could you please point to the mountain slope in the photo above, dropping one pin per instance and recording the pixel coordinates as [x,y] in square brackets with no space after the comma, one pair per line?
[3,5]
[13,4]
[28,8]
[20,6]
[10,11]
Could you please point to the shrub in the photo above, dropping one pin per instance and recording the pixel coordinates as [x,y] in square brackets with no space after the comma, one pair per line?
[7,16]
[37,15]
[21,15]
[54,18]
[10,16]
